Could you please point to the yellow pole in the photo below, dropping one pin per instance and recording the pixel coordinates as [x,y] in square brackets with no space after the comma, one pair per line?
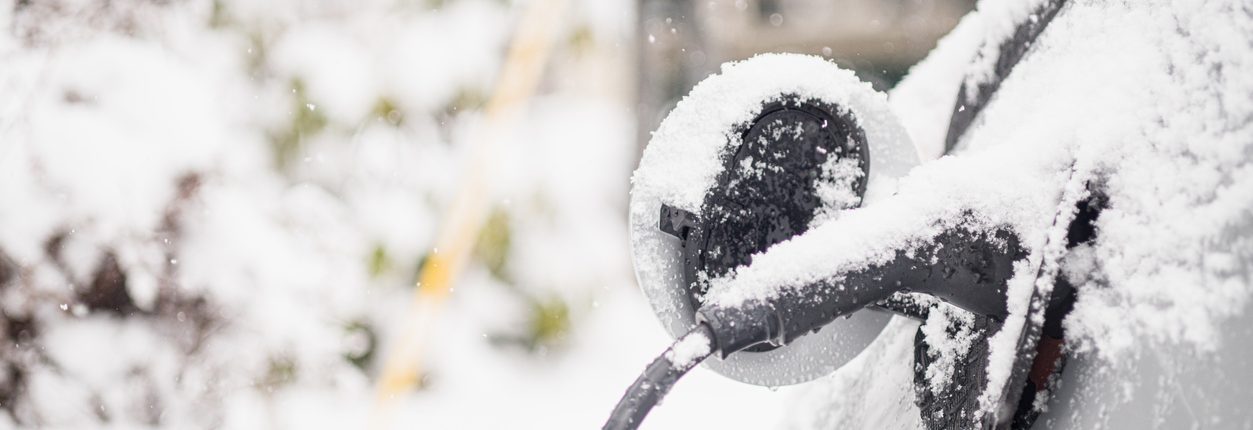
[518,79]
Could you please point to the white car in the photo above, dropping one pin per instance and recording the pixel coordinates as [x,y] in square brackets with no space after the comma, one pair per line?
[1061,194]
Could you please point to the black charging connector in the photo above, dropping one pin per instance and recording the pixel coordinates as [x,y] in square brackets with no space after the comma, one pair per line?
[971,270]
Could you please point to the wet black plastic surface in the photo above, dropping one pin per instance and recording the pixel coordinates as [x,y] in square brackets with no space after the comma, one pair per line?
[766,192]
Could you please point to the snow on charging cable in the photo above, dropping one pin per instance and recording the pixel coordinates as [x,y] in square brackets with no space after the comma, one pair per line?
[688,350]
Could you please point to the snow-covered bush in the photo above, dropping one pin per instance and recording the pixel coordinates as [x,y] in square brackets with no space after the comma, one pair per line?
[212,212]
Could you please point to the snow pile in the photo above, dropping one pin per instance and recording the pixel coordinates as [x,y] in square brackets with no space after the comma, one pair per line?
[999,20]
[868,392]
[947,347]
[835,188]
[689,349]
[1171,152]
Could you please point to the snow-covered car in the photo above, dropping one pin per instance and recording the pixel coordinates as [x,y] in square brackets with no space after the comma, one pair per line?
[1047,224]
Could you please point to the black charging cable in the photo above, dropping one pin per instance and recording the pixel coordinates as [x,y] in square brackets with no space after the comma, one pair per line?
[660,376]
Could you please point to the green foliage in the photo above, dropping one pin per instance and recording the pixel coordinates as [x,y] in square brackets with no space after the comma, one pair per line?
[282,371]
[439,4]
[581,40]
[466,99]
[257,51]
[219,17]
[547,325]
[548,318]
[378,262]
[306,121]
[364,357]
[494,242]
[387,110]
[550,322]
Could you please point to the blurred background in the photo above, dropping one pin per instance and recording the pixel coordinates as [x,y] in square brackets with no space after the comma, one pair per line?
[379,213]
